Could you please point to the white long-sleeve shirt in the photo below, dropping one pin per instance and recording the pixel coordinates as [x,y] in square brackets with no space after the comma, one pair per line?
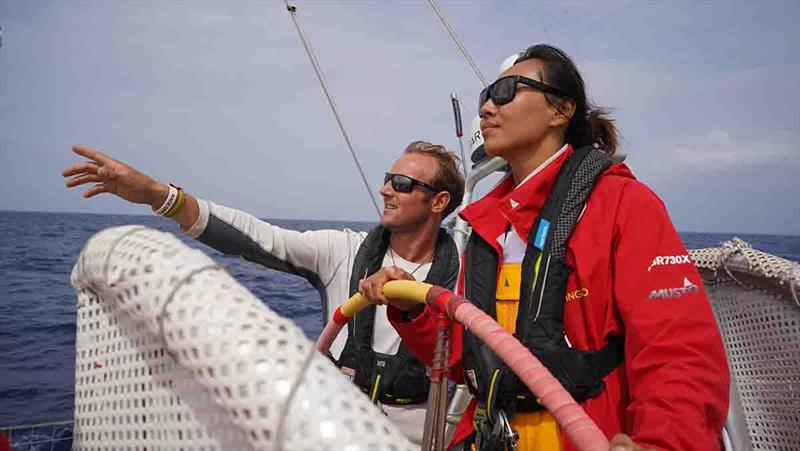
[325,258]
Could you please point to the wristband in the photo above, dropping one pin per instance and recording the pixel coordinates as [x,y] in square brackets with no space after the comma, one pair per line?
[170,201]
[178,204]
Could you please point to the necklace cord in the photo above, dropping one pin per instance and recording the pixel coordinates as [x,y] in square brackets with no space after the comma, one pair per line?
[425,261]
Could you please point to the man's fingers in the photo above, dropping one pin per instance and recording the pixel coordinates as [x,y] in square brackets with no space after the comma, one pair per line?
[70,171]
[95,190]
[375,292]
[107,172]
[73,170]
[82,180]
[364,288]
[92,154]
[80,168]
[372,286]
[372,290]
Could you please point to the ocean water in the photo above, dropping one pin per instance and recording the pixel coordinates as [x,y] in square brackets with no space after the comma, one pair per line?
[37,314]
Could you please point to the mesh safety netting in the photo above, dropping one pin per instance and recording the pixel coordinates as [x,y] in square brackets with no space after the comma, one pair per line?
[172,353]
[754,296]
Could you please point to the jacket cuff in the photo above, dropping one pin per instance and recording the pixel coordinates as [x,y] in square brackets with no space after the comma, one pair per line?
[199,226]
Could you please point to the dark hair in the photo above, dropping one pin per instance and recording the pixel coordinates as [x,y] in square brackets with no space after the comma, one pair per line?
[448,177]
[590,124]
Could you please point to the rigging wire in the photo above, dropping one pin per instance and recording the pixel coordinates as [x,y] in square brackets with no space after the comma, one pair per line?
[458,42]
[318,70]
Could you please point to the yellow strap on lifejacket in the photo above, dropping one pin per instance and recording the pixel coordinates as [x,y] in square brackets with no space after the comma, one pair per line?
[508,282]
[495,375]
[537,430]
[374,395]
[507,295]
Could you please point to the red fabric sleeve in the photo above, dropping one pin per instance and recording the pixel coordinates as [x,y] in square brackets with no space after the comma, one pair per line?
[5,443]
[419,335]
[675,364]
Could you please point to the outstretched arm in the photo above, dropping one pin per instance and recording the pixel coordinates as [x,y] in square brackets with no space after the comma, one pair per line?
[314,254]
[108,175]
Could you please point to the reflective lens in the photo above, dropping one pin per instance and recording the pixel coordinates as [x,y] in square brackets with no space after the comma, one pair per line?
[400,183]
[404,184]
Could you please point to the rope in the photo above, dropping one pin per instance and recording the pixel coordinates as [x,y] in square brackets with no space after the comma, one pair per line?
[458,42]
[318,70]
[729,249]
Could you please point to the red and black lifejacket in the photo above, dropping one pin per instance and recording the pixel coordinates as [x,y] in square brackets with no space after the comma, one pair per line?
[399,378]
[539,324]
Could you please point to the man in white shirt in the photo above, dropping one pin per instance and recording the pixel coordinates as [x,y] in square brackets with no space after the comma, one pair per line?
[421,188]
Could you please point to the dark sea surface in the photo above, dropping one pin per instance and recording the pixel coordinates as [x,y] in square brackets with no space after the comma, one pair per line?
[37,318]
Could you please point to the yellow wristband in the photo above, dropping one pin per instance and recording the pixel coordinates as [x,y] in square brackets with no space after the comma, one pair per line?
[178,204]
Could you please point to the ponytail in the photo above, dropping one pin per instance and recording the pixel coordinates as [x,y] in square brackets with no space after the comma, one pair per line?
[600,130]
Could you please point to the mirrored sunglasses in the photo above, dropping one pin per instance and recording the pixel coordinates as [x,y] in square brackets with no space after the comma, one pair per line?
[405,184]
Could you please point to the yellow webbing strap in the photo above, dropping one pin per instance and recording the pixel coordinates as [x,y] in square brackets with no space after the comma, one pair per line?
[374,395]
[536,272]
[491,392]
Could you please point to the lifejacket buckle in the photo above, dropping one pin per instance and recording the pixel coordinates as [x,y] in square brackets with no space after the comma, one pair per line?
[509,435]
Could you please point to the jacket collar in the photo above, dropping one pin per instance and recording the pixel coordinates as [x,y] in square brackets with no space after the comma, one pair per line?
[517,206]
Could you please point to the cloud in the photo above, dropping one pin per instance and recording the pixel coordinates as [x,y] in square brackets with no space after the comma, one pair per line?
[718,149]
[728,181]
[220,96]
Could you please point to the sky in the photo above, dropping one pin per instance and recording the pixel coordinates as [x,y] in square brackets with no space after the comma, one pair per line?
[221,99]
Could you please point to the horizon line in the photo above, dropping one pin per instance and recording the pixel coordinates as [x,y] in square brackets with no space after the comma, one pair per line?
[732,234]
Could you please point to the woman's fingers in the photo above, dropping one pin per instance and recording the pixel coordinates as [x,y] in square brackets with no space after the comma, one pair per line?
[83,179]
[95,190]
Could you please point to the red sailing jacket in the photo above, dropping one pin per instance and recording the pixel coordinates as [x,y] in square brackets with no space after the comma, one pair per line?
[632,277]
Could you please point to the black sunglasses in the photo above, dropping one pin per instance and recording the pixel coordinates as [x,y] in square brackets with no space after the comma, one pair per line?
[504,89]
[405,184]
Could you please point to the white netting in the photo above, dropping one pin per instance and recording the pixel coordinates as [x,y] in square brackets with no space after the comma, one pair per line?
[172,353]
[754,298]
